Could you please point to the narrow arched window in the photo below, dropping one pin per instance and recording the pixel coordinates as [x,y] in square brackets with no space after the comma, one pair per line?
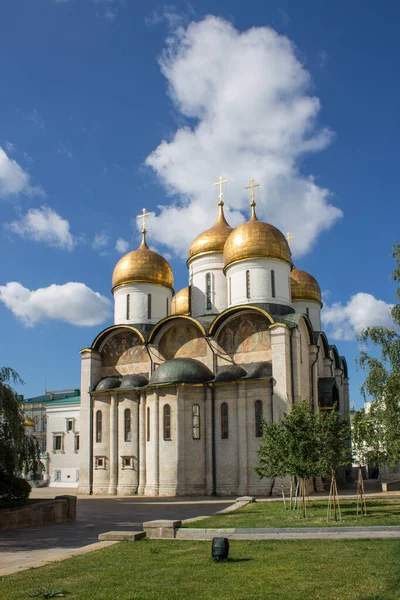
[196,421]
[128,306]
[127,425]
[167,421]
[307,311]
[258,409]
[148,424]
[149,306]
[224,421]
[99,424]
[167,307]
[208,291]
[248,285]
[273,284]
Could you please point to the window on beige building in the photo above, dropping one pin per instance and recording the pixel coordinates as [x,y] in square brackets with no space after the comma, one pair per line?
[167,422]
[196,421]
[224,421]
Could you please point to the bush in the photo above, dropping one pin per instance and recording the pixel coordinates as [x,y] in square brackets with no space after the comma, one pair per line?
[13,490]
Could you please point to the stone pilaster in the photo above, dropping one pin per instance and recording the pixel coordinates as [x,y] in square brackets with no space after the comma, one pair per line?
[312,357]
[142,444]
[113,445]
[207,429]
[242,454]
[90,376]
[282,395]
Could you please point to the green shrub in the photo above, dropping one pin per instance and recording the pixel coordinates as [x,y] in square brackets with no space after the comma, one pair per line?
[13,490]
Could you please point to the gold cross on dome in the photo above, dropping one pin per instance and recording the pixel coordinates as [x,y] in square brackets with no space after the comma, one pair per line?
[143,217]
[251,187]
[221,182]
[289,238]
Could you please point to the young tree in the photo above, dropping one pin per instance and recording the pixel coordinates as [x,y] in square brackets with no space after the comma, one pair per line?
[335,452]
[382,384]
[19,452]
[365,446]
[272,454]
[291,447]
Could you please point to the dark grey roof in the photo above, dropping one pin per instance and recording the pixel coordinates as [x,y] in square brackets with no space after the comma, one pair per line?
[259,370]
[181,370]
[130,382]
[230,373]
[108,383]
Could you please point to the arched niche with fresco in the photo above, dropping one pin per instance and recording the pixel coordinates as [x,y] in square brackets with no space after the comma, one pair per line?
[244,338]
[123,353]
[181,339]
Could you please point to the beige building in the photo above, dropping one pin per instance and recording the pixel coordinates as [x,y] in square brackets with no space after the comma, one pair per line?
[173,395]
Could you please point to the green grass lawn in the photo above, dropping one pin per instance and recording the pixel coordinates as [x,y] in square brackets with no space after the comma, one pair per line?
[171,570]
[273,514]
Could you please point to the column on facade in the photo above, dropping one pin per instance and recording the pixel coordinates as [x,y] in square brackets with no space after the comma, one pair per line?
[142,444]
[208,439]
[113,444]
[90,375]
[296,364]
[282,394]
[313,361]
[243,466]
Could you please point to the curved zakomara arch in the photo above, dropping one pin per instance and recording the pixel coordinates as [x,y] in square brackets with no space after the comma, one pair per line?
[343,363]
[235,309]
[161,324]
[325,343]
[98,341]
[334,354]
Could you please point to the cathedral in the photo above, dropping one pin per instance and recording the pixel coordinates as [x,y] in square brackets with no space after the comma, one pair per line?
[174,394]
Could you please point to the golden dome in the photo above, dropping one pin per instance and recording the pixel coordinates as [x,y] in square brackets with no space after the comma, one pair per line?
[255,239]
[212,240]
[29,422]
[180,302]
[304,286]
[142,266]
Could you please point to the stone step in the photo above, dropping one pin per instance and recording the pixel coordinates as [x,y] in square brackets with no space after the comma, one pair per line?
[120,536]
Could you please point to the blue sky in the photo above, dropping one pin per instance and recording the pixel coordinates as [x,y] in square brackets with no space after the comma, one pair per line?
[107,106]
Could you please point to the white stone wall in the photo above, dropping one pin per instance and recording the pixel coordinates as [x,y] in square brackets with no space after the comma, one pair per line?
[128,475]
[314,311]
[65,460]
[199,267]
[138,304]
[260,282]
[192,453]
[90,376]
[101,475]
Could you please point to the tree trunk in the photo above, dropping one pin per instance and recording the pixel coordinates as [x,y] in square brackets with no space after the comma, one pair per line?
[361,503]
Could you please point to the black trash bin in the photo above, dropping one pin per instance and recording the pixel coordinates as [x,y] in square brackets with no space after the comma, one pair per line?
[220,549]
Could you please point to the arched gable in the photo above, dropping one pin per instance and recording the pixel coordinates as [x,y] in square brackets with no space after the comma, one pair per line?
[122,350]
[180,338]
[334,354]
[244,335]
[322,342]
[343,364]
[99,340]
[219,319]
[153,335]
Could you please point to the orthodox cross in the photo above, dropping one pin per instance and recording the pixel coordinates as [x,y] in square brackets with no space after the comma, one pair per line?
[251,187]
[143,217]
[289,238]
[221,182]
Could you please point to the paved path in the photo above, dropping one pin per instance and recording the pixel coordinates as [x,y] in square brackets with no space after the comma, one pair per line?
[22,548]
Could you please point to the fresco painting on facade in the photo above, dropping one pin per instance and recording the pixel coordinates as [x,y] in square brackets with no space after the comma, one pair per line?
[245,335]
[182,340]
[123,348]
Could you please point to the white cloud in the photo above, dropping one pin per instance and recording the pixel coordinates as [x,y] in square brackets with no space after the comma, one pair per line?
[14,180]
[10,147]
[101,240]
[72,302]
[121,245]
[44,225]
[363,310]
[245,97]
